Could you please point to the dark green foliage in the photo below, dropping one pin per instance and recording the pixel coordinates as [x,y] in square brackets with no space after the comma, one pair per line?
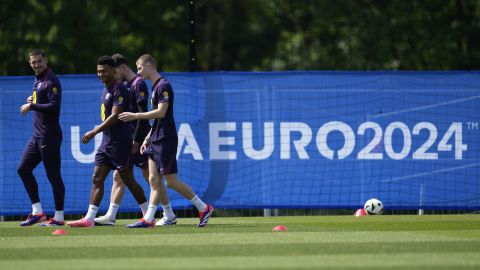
[245,35]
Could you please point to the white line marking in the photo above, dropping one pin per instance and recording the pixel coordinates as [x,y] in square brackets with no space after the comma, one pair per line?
[430,173]
[424,107]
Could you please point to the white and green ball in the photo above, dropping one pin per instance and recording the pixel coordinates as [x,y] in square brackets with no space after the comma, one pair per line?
[373,207]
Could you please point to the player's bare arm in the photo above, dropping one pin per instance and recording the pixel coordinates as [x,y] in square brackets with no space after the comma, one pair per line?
[154,114]
[135,147]
[146,142]
[136,142]
[111,120]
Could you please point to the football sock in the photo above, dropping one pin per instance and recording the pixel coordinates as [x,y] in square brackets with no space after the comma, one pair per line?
[199,204]
[37,208]
[112,211]
[92,212]
[58,216]
[150,215]
[144,207]
[168,212]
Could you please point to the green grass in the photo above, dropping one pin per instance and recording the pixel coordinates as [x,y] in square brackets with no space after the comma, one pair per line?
[318,242]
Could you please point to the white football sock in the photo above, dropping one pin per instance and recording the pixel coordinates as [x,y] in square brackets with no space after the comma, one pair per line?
[112,211]
[150,215]
[59,216]
[92,212]
[168,211]
[199,204]
[37,208]
[144,207]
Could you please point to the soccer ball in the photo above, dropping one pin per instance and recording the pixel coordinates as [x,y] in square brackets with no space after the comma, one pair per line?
[373,207]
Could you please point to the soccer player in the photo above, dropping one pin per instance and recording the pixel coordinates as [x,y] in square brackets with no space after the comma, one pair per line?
[138,102]
[44,145]
[161,145]
[115,149]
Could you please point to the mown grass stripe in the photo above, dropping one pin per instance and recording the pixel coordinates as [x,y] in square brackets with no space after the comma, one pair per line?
[285,249]
[297,224]
[359,261]
[72,240]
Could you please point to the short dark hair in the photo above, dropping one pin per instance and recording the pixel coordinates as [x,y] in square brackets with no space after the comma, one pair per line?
[106,60]
[119,59]
[37,52]
[147,58]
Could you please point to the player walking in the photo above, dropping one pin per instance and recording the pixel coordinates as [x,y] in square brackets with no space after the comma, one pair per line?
[161,145]
[138,102]
[46,140]
[115,149]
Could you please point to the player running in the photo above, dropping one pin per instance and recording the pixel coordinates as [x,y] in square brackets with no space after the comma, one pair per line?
[115,149]
[161,146]
[46,140]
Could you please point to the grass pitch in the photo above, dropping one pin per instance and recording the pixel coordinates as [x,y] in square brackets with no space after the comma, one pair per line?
[318,242]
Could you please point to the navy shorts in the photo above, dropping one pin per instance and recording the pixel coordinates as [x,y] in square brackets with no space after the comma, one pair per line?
[140,160]
[116,155]
[164,153]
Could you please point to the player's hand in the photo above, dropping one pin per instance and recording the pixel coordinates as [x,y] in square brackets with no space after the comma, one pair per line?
[135,147]
[30,99]
[88,136]
[144,146]
[25,108]
[126,116]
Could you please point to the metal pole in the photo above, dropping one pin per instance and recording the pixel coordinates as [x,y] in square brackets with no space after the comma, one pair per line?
[420,210]
[191,34]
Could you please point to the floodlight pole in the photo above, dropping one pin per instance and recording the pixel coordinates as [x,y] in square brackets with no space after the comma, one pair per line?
[192,58]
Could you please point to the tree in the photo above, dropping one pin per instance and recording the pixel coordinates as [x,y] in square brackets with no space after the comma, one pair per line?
[245,35]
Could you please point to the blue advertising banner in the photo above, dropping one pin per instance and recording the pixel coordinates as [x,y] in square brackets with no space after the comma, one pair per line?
[280,140]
